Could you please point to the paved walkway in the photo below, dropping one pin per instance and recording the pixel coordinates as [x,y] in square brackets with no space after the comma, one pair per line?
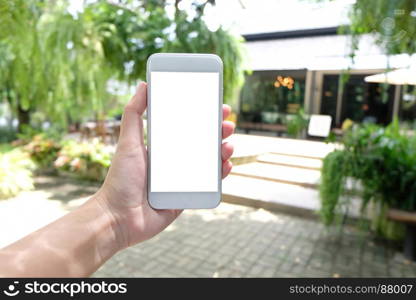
[230,241]
[29,211]
[237,241]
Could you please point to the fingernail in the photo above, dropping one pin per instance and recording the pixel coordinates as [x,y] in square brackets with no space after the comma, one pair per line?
[138,85]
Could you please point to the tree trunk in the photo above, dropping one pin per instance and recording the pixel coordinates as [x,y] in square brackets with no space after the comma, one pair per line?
[23,116]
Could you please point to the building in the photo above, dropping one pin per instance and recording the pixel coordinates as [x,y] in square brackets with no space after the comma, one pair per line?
[306,69]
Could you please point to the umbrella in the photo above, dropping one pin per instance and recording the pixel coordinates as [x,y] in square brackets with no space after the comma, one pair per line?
[398,77]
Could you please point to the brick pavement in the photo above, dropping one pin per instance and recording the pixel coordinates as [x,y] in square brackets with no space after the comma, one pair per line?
[237,241]
[229,241]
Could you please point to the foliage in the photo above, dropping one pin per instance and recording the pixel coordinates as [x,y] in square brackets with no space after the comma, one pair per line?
[7,130]
[60,70]
[386,163]
[59,63]
[42,150]
[297,123]
[193,35]
[332,185]
[15,173]
[5,147]
[28,133]
[88,160]
[392,22]
[381,159]
[7,134]
[144,29]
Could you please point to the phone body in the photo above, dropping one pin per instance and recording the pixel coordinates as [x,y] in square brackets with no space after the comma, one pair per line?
[184,133]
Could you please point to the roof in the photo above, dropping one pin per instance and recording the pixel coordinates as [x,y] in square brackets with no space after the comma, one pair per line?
[291,34]
[316,49]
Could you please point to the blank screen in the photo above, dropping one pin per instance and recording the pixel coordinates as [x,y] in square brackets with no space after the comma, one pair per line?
[184,131]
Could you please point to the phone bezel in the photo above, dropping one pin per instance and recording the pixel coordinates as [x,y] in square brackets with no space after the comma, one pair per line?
[183,62]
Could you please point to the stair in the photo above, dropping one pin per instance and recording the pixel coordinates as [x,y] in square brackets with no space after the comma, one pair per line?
[290,161]
[271,195]
[276,196]
[278,174]
[306,178]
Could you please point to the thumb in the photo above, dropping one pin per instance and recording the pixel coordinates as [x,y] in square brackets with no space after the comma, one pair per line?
[131,130]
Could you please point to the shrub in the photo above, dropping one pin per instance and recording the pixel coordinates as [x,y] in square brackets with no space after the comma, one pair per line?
[15,173]
[331,188]
[7,134]
[383,161]
[88,160]
[43,150]
[297,124]
[5,147]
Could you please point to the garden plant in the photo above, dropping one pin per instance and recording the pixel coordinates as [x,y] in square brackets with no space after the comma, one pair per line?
[382,163]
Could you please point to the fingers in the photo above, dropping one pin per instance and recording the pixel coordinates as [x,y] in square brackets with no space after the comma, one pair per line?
[226,111]
[131,131]
[227,129]
[227,150]
[226,168]
[138,102]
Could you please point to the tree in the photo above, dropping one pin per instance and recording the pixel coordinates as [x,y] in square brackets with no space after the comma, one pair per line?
[194,36]
[20,52]
[143,34]
[393,23]
[59,64]
[52,62]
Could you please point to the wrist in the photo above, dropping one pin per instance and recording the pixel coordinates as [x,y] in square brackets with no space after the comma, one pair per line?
[109,231]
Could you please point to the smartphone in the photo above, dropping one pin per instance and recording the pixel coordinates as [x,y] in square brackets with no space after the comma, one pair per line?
[184,117]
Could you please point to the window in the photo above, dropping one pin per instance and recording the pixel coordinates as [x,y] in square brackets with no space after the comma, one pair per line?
[330,96]
[361,101]
[367,102]
[268,96]
[408,104]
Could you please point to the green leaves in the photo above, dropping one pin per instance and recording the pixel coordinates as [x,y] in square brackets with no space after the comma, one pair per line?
[331,188]
[382,159]
[59,64]
[297,123]
[87,160]
[195,36]
[391,21]
[15,173]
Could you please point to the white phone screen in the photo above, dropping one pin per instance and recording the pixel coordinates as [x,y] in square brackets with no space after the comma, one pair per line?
[184,131]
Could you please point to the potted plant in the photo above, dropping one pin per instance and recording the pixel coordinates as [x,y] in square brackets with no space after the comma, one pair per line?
[382,162]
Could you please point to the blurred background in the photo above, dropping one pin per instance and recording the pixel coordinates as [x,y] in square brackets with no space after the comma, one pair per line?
[324,101]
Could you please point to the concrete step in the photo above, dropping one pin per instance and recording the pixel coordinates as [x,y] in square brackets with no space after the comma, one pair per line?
[275,196]
[297,155]
[276,173]
[290,161]
[270,195]
[245,145]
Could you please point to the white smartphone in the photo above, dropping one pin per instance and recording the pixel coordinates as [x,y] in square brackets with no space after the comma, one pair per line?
[184,117]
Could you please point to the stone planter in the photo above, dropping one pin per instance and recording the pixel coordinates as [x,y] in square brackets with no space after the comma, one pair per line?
[409,219]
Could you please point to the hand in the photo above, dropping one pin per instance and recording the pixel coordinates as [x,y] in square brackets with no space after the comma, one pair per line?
[124,192]
[116,217]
